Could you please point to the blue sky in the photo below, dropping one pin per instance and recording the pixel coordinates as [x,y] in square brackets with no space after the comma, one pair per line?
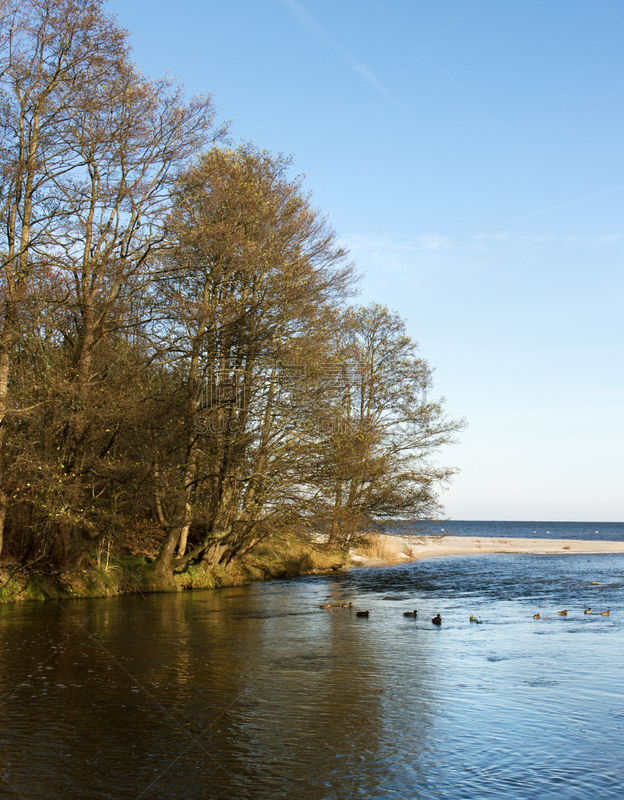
[470,154]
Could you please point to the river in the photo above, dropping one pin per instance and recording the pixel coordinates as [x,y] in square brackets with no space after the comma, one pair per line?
[258,693]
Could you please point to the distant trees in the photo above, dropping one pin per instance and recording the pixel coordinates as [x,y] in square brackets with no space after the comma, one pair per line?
[176,351]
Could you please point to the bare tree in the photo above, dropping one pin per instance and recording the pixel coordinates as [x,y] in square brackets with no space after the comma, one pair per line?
[91,150]
[45,49]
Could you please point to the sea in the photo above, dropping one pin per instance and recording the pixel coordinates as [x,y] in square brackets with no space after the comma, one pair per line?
[530,529]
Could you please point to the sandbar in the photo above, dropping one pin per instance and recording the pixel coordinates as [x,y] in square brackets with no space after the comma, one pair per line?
[414,548]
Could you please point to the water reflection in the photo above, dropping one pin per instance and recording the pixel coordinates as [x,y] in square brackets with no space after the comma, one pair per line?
[257,693]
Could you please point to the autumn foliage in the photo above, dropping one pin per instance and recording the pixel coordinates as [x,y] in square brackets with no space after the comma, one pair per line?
[180,371]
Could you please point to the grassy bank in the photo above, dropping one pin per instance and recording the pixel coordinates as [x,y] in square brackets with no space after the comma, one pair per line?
[126,574]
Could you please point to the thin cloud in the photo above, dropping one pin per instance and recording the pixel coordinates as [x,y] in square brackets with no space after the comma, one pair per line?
[570,203]
[357,66]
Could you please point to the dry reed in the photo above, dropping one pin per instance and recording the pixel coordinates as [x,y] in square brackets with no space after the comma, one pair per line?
[382,547]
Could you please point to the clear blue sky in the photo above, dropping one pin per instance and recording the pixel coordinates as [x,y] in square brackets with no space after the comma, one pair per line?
[471,156]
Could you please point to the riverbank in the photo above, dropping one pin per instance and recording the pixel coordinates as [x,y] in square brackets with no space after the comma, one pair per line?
[126,574]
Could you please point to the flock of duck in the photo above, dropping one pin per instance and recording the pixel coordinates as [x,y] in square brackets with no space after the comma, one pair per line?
[437,620]
[564,613]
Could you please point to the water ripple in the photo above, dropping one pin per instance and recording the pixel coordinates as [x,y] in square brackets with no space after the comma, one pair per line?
[231,693]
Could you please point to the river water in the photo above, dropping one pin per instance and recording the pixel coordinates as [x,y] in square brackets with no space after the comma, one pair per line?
[257,693]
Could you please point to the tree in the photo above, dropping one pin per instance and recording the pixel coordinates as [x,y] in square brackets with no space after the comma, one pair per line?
[373,460]
[91,149]
[174,346]
[252,266]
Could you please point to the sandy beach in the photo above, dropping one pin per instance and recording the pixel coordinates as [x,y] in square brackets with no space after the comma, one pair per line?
[414,548]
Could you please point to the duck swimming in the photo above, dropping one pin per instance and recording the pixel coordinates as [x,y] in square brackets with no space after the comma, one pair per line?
[587,611]
[437,620]
[410,613]
[563,613]
[361,613]
[327,605]
[605,613]
[536,616]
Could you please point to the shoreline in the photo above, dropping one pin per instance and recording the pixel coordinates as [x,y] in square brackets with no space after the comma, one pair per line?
[133,576]
[136,574]
[417,548]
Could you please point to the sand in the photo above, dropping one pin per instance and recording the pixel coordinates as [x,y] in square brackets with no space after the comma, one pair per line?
[436,546]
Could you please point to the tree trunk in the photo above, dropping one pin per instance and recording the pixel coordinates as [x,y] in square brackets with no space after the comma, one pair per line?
[4,384]
[3,509]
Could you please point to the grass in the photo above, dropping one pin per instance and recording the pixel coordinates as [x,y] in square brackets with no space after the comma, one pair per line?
[126,574]
[289,557]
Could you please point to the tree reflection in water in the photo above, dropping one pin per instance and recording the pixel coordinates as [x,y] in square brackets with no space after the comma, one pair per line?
[257,693]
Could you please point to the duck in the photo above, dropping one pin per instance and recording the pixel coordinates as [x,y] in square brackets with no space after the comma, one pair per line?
[346,605]
[410,613]
[437,620]
[563,613]
[605,613]
[587,611]
[536,616]
[327,605]
[361,613]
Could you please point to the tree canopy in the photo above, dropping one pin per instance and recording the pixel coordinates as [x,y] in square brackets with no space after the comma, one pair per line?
[177,349]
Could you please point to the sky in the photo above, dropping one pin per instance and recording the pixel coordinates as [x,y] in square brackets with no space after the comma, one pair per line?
[470,155]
